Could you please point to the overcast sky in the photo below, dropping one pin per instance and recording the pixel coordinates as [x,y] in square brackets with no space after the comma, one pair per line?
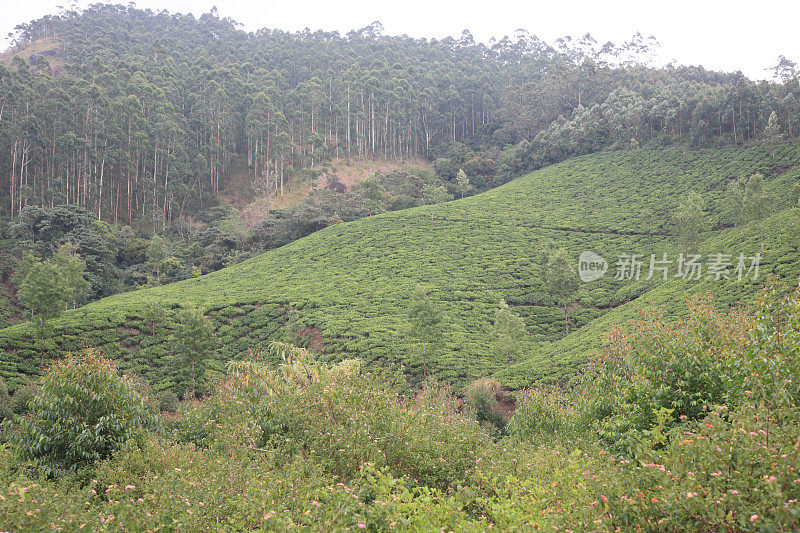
[716,34]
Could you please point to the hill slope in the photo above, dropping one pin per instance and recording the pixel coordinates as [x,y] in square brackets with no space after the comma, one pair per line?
[347,286]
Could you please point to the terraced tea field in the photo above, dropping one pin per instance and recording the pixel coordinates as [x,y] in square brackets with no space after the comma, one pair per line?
[348,285]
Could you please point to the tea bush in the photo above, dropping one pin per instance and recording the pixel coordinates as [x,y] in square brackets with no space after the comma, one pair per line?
[682,423]
[309,445]
[356,276]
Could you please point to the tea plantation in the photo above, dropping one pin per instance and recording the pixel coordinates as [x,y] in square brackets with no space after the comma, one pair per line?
[346,288]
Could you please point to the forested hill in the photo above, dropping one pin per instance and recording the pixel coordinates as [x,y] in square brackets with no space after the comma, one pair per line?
[140,117]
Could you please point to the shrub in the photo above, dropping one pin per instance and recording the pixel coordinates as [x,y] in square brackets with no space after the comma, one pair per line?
[84,411]
[5,401]
[192,344]
[734,471]
[657,367]
[482,400]
[194,423]
[661,372]
[541,414]
[22,398]
[167,401]
[343,418]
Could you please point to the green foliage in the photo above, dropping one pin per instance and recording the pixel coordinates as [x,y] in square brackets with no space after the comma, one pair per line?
[167,401]
[192,344]
[105,252]
[23,397]
[738,202]
[357,276]
[41,289]
[690,220]
[545,415]
[772,133]
[45,287]
[509,335]
[157,255]
[657,374]
[758,203]
[435,194]
[154,316]
[72,269]
[462,181]
[85,411]
[239,117]
[303,444]
[481,396]
[344,418]
[5,401]
[425,319]
[561,280]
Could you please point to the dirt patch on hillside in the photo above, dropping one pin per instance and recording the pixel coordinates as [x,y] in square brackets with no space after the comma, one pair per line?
[348,172]
[506,403]
[48,49]
[314,336]
[351,171]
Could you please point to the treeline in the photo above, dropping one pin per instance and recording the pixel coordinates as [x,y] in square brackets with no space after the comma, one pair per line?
[140,117]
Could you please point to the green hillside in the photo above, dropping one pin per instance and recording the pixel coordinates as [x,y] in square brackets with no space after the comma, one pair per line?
[348,285]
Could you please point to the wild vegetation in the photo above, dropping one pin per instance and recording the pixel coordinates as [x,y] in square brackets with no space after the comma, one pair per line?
[118,123]
[679,424]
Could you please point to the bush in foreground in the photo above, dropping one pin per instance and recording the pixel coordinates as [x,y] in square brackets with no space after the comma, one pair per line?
[84,411]
[482,401]
[306,445]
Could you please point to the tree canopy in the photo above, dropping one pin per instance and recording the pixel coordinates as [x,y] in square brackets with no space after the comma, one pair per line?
[141,117]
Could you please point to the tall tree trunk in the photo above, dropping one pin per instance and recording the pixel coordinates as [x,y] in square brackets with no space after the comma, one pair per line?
[100,191]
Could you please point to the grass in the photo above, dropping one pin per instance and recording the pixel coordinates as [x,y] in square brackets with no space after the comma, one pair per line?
[350,282]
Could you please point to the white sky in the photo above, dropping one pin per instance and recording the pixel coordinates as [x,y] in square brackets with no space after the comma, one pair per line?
[720,35]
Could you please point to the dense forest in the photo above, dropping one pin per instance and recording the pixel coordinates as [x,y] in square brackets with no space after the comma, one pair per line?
[140,117]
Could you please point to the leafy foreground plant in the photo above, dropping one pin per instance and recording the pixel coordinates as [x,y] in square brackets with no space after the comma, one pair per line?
[305,445]
[84,412]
